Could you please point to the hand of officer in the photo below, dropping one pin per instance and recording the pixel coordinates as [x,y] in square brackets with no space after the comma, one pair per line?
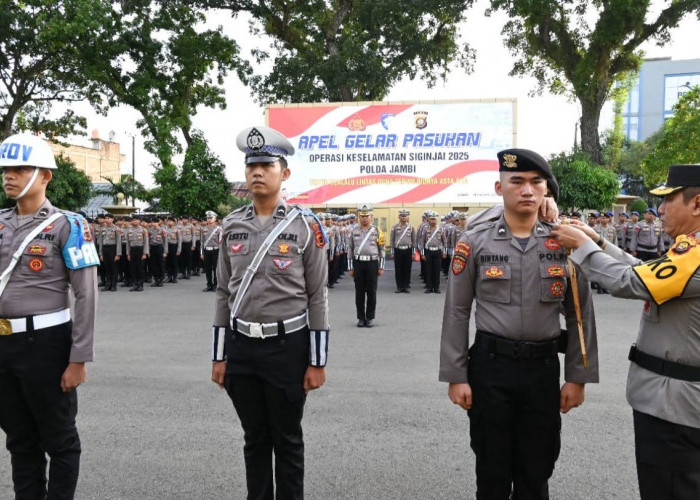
[314,378]
[392,256]
[128,257]
[116,258]
[549,210]
[569,236]
[102,259]
[380,272]
[572,396]
[461,394]
[74,375]
[218,372]
[351,272]
[144,256]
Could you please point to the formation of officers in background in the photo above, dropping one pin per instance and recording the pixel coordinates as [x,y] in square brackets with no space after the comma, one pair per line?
[142,249]
[644,239]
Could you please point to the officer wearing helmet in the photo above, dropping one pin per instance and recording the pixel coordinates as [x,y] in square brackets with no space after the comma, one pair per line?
[44,252]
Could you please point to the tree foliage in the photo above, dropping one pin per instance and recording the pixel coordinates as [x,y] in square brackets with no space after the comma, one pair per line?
[200,184]
[679,140]
[43,48]
[582,184]
[129,187]
[556,42]
[350,50]
[69,189]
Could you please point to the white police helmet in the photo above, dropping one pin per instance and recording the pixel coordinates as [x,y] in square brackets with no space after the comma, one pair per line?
[28,150]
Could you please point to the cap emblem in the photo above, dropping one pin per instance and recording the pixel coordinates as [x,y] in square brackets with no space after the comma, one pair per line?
[255,140]
[509,161]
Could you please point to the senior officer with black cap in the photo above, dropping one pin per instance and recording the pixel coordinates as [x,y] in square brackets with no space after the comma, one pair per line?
[270,335]
[44,253]
[518,275]
[663,384]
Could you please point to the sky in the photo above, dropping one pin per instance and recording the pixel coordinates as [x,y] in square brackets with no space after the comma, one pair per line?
[545,123]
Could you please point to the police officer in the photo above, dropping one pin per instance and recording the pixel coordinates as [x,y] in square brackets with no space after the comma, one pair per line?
[509,380]
[621,229]
[646,239]
[211,238]
[156,251]
[664,377]
[365,265]
[43,350]
[137,250]
[433,244]
[608,232]
[188,245]
[403,243]
[173,237]
[271,320]
[110,252]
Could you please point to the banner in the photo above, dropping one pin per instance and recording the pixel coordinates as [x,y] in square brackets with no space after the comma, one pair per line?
[395,153]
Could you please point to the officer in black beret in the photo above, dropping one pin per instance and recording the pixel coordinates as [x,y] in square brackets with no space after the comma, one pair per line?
[517,275]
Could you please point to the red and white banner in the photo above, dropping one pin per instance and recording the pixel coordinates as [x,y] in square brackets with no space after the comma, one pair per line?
[395,153]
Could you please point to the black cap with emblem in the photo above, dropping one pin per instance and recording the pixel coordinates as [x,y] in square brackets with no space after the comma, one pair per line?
[524,160]
[679,177]
[263,145]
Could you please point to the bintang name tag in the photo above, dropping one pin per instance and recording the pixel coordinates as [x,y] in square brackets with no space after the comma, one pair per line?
[667,276]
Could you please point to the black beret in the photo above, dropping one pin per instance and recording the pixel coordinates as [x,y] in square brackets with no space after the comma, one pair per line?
[524,160]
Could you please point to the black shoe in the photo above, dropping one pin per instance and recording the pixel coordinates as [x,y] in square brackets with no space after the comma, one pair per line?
[125,284]
[600,291]
[437,290]
[195,274]
[134,289]
[148,280]
[406,290]
[360,323]
[369,323]
[428,290]
[113,288]
[331,286]
[208,289]
[185,278]
[400,290]
[154,284]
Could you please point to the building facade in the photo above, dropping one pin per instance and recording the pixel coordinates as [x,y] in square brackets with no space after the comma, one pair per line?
[100,161]
[660,85]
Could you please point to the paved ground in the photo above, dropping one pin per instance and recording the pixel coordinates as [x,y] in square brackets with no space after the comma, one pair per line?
[154,427]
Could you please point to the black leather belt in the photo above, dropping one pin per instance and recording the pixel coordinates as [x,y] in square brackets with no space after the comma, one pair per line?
[663,366]
[514,348]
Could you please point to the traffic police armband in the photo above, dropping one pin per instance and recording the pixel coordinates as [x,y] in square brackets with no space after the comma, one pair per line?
[79,251]
[318,348]
[666,277]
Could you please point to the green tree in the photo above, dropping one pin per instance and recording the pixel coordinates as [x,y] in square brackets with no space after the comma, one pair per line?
[43,47]
[583,47]
[639,206]
[679,141]
[200,184]
[350,50]
[69,189]
[582,184]
[129,187]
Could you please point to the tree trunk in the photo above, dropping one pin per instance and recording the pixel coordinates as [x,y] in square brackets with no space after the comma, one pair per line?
[590,140]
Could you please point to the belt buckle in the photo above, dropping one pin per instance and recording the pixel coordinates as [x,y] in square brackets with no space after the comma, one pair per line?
[256,330]
[5,327]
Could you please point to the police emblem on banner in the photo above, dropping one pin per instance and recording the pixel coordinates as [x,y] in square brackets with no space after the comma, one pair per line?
[357,124]
[282,264]
[421,119]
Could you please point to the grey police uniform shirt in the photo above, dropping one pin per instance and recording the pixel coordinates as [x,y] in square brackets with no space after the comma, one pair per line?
[670,331]
[402,236]
[40,282]
[187,231]
[173,236]
[137,237]
[291,278]
[371,248]
[519,295]
[608,232]
[111,235]
[433,239]
[646,238]
[210,238]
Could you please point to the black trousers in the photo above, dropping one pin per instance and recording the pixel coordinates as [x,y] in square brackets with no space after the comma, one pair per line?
[124,266]
[136,265]
[668,459]
[156,262]
[36,415]
[646,256]
[211,257]
[186,258]
[264,380]
[403,260]
[514,425]
[433,263]
[171,261]
[109,252]
[365,287]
